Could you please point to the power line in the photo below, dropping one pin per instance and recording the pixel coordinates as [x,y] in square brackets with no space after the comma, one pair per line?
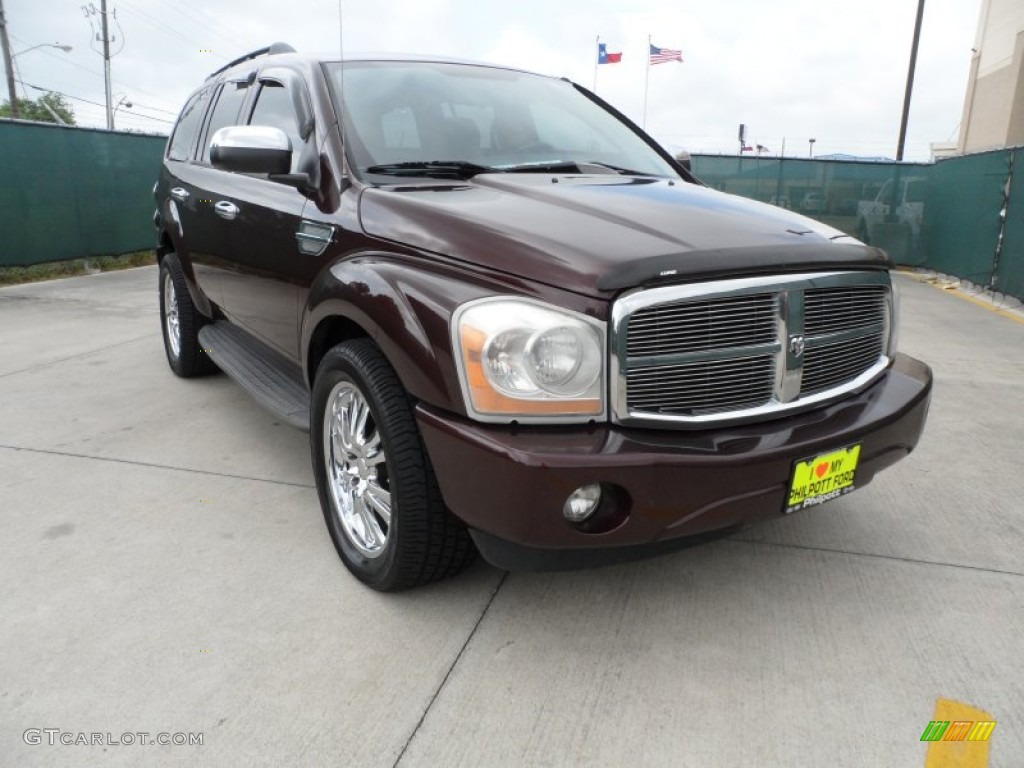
[59,58]
[94,103]
[156,23]
[95,119]
[155,109]
[97,114]
[206,26]
[215,22]
[119,83]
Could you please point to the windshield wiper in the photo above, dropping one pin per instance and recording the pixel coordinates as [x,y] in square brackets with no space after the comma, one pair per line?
[435,169]
[463,169]
[540,166]
[568,166]
[618,169]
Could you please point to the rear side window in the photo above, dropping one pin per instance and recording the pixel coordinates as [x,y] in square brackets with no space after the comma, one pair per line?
[225,113]
[188,126]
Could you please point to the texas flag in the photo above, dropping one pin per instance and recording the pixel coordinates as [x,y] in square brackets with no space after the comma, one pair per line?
[604,57]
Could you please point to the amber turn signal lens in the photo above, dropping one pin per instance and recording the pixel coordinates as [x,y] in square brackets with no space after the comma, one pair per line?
[523,358]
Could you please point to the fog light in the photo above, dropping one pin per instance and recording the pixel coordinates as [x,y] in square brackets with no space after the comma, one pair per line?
[582,503]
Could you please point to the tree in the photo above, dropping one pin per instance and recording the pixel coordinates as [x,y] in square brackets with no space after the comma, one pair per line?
[37,109]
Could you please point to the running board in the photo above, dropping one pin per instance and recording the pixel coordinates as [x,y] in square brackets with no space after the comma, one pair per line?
[263,373]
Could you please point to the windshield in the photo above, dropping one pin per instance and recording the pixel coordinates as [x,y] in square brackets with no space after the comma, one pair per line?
[406,118]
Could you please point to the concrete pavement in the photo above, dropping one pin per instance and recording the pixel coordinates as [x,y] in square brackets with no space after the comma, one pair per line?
[165,568]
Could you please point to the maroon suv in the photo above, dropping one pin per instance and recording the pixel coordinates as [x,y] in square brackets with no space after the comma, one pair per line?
[511,322]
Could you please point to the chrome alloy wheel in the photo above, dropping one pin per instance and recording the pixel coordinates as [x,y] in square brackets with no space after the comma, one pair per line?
[356,470]
[171,315]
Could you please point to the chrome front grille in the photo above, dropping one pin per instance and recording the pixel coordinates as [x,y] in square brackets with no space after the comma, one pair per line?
[708,386]
[827,310]
[736,349]
[832,365]
[845,328]
[673,328]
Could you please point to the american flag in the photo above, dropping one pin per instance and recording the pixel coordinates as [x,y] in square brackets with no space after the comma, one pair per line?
[661,55]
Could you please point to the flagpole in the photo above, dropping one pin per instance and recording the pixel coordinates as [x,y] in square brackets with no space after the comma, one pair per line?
[647,80]
[597,59]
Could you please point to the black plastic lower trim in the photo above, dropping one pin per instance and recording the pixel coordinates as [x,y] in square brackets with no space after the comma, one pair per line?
[510,556]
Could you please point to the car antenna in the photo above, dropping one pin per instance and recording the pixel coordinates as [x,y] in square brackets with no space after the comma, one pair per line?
[341,79]
[341,35]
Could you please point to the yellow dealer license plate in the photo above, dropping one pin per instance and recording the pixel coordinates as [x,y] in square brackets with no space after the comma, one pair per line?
[822,478]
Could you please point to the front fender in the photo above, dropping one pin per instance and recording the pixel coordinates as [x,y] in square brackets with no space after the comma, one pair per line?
[405,305]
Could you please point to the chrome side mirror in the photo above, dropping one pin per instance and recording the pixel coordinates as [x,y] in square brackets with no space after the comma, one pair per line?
[251,149]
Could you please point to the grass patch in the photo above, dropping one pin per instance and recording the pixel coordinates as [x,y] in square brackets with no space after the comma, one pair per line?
[55,269]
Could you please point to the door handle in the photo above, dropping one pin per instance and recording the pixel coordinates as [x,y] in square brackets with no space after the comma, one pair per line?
[226,210]
[180,194]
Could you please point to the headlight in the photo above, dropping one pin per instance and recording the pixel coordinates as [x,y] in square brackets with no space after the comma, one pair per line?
[524,360]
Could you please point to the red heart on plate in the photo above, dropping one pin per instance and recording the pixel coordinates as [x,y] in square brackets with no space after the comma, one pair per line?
[821,469]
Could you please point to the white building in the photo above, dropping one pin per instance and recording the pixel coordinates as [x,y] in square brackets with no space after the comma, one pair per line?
[994,107]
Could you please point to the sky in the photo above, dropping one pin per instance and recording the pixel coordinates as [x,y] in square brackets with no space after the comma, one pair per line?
[791,70]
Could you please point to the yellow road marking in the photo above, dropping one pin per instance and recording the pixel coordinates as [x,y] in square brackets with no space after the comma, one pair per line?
[950,287]
[988,306]
[957,754]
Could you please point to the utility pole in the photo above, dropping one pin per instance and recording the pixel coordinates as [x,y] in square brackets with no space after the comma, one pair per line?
[891,216]
[106,64]
[910,82]
[104,36]
[8,63]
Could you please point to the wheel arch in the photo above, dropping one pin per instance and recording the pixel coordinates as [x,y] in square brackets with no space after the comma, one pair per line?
[329,332]
[164,245]
[403,307]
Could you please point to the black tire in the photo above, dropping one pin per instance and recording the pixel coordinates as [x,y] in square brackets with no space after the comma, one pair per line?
[423,541]
[187,358]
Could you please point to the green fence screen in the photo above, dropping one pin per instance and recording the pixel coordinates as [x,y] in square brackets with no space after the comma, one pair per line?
[73,192]
[1009,278]
[945,216]
[962,214]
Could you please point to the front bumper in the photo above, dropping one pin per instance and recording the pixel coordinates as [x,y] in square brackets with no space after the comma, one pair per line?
[509,483]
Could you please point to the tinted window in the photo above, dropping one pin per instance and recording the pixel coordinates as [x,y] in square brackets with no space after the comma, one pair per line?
[561,128]
[399,129]
[225,113]
[416,112]
[274,108]
[188,126]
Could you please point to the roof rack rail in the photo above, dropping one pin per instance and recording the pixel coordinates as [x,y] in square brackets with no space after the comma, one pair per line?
[270,50]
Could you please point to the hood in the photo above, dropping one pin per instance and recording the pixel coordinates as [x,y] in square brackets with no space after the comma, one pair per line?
[600,234]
